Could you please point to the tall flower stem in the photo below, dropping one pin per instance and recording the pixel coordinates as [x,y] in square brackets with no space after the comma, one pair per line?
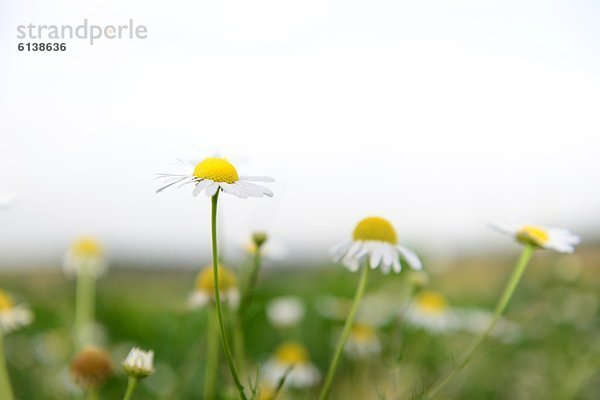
[224,340]
[212,354]
[84,306]
[500,307]
[360,291]
[5,387]
[252,281]
[131,384]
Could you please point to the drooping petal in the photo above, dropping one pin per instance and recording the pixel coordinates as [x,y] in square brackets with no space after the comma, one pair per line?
[411,258]
[170,184]
[200,186]
[211,189]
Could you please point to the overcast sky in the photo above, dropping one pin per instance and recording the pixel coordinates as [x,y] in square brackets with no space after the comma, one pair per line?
[441,116]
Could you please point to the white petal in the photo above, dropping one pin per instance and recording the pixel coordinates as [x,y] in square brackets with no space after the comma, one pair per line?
[256,178]
[388,254]
[169,185]
[211,189]
[396,263]
[255,190]
[411,258]
[200,186]
[234,189]
[504,228]
[376,256]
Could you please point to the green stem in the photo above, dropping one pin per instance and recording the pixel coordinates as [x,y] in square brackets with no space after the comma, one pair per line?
[238,341]
[5,387]
[360,290]
[212,354]
[131,384]
[500,307]
[84,307]
[224,340]
[252,281]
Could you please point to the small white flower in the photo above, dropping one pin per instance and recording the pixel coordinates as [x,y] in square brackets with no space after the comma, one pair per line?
[430,311]
[139,363]
[213,174]
[285,312]
[85,255]
[363,342]
[13,317]
[204,292]
[374,240]
[291,360]
[558,239]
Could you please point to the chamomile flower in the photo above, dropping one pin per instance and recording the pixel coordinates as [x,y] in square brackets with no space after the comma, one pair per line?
[13,317]
[292,361]
[86,254]
[363,342]
[374,240]
[430,311]
[558,239]
[91,367]
[205,288]
[212,174]
[285,312]
[139,363]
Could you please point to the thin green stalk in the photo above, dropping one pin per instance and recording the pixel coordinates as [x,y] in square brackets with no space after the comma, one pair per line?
[252,281]
[500,307]
[224,340]
[131,384]
[360,290]
[238,341]
[5,387]
[84,307]
[212,354]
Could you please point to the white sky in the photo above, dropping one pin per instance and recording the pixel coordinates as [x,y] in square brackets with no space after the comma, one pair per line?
[441,116]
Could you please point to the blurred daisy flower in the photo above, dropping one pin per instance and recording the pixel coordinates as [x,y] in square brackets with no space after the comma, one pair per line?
[85,254]
[212,174]
[374,239]
[285,312]
[363,342]
[13,317]
[91,367]
[291,361]
[205,288]
[430,311]
[139,363]
[558,239]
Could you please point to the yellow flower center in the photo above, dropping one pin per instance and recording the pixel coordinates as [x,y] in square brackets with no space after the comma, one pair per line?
[87,247]
[432,302]
[5,302]
[362,333]
[532,234]
[217,170]
[375,228]
[291,353]
[205,280]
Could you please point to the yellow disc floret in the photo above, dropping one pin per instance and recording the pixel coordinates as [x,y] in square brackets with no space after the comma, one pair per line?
[431,302]
[217,170]
[87,247]
[363,333]
[205,280]
[375,228]
[533,235]
[291,353]
[5,302]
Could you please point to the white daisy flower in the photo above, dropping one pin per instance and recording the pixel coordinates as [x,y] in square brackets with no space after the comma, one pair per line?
[558,239]
[139,363]
[374,240]
[205,288]
[363,342]
[430,311]
[85,254]
[291,360]
[285,312]
[13,317]
[213,174]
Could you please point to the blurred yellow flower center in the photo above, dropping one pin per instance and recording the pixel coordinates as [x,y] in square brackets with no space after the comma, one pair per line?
[533,234]
[291,353]
[431,302]
[5,302]
[205,280]
[217,170]
[375,228]
[87,247]
[362,333]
